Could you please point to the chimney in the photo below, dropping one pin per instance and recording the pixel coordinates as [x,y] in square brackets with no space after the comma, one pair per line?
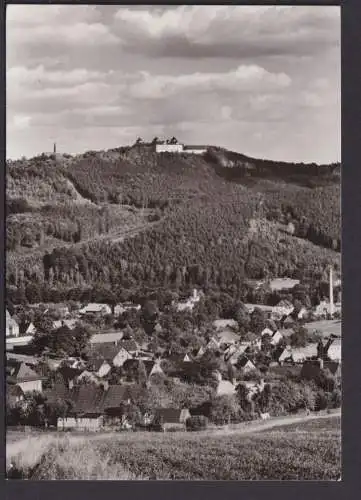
[331,293]
[54,147]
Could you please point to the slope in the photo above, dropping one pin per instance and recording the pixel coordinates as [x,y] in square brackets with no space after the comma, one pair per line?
[129,216]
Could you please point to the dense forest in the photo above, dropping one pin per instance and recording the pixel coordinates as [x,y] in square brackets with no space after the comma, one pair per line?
[130,218]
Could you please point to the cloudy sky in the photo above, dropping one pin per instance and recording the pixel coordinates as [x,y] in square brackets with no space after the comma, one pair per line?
[264,81]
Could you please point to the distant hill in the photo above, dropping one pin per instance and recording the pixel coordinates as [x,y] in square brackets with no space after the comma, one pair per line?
[130,216]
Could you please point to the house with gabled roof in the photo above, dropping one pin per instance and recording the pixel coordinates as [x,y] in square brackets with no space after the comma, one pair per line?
[233,353]
[213,344]
[18,373]
[282,354]
[114,355]
[27,328]
[99,366]
[311,368]
[245,364]
[107,337]
[171,418]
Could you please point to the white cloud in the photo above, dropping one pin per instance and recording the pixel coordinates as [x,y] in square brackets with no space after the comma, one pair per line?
[35,15]
[50,24]
[21,75]
[243,78]
[19,122]
[190,31]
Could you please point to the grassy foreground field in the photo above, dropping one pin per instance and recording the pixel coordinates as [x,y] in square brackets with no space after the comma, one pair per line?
[301,451]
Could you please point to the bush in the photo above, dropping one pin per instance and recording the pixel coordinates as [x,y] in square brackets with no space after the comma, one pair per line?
[197,423]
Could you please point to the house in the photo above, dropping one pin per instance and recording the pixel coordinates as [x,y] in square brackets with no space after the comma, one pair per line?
[121,357]
[189,304]
[120,309]
[11,326]
[95,308]
[213,344]
[153,368]
[88,421]
[27,328]
[301,314]
[200,352]
[114,399]
[92,404]
[225,387]
[246,364]
[221,324]
[88,376]
[267,331]
[28,360]
[171,418]
[278,284]
[311,368]
[195,149]
[227,336]
[234,352]
[300,354]
[164,147]
[322,310]
[282,354]
[114,355]
[99,366]
[14,394]
[18,373]
[276,338]
[74,363]
[54,363]
[287,321]
[15,342]
[108,337]
[69,323]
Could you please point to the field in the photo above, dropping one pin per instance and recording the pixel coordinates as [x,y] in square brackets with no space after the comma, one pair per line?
[302,451]
[325,327]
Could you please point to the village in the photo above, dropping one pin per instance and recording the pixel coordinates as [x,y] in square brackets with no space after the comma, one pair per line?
[112,382]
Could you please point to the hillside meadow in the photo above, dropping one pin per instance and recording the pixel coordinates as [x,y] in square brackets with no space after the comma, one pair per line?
[301,451]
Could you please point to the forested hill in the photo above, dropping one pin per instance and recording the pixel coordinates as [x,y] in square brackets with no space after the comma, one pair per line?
[129,217]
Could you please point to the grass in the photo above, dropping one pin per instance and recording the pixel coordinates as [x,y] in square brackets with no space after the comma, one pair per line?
[302,451]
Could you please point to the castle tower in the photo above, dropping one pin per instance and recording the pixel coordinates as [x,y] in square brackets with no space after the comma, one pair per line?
[331,293]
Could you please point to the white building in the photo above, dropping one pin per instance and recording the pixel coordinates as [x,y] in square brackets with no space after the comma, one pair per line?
[95,308]
[12,327]
[196,150]
[168,148]
[190,303]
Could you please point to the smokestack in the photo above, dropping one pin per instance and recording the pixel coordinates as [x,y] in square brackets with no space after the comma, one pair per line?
[54,147]
[331,293]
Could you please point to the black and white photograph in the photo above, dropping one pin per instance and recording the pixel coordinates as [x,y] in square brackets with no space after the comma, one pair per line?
[173,243]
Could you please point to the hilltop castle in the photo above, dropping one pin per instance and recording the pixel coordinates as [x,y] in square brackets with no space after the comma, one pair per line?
[173,146]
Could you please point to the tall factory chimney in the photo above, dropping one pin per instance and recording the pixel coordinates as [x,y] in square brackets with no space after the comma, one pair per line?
[331,293]
[54,147]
